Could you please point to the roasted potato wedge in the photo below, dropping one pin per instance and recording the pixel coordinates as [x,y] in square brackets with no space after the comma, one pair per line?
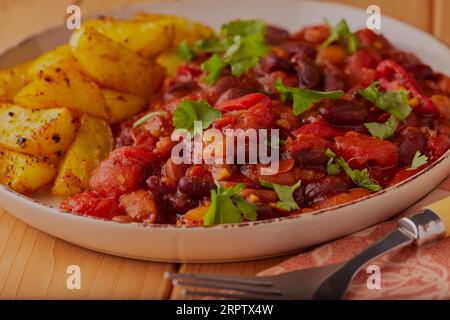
[123,105]
[170,61]
[61,57]
[24,173]
[93,143]
[145,38]
[46,132]
[11,81]
[183,29]
[150,34]
[113,65]
[63,88]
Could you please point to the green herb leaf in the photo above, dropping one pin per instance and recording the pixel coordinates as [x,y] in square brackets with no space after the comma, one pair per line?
[242,45]
[243,28]
[395,101]
[341,30]
[304,99]
[245,52]
[383,130]
[285,194]
[147,117]
[189,111]
[333,169]
[228,207]
[184,51]
[418,161]
[360,177]
[213,67]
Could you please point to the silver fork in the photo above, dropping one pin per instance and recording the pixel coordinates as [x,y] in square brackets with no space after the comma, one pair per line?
[329,282]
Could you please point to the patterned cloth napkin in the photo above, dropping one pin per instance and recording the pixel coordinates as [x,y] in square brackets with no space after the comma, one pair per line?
[409,273]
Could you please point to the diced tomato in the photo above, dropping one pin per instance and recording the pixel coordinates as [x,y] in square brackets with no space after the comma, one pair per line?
[320,129]
[358,149]
[392,75]
[404,174]
[122,172]
[245,102]
[437,146]
[89,203]
[360,67]
[368,38]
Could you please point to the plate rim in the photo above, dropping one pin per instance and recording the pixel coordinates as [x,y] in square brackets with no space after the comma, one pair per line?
[55,210]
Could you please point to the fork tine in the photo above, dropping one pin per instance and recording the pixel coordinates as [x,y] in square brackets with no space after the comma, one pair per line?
[235,287]
[218,294]
[225,279]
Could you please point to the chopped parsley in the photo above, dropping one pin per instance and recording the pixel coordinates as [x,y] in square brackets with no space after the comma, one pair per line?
[303,99]
[418,161]
[187,112]
[285,194]
[342,31]
[228,207]
[240,46]
[394,101]
[383,130]
[359,177]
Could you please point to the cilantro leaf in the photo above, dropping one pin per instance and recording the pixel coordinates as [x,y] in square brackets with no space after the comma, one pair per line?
[148,116]
[243,28]
[208,45]
[303,99]
[184,51]
[383,130]
[360,177]
[228,207]
[213,67]
[341,30]
[395,101]
[241,47]
[187,112]
[333,169]
[418,161]
[285,194]
[245,52]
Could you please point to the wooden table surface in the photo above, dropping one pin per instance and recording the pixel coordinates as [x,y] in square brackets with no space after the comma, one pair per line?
[33,264]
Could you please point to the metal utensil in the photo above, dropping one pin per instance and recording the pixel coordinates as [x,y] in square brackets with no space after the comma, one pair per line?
[331,282]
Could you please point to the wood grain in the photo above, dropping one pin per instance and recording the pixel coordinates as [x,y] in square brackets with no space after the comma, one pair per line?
[22,18]
[441,21]
[33,264]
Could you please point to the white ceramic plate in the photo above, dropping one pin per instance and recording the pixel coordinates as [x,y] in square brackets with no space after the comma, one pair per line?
[246,241]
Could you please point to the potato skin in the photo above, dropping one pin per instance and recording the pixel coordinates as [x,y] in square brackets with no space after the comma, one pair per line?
[43,133]
[55,87]
[60,57]
[24,173]
[11,81]
[113,65]
[150,34]
[93,143]
[123,105]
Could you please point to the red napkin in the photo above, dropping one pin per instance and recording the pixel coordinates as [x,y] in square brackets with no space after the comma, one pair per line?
[409,273]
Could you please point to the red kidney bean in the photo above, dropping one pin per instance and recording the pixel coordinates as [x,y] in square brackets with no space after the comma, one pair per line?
[308,73]
[342,112]
[420,71]
[275,35]
[300,196]
[297,47]
[272,63]
[181,203]
[409,141]
[195,186]
[328,186]
[233,93]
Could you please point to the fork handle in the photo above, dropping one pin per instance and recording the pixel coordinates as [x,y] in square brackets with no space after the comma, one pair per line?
[431,224]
